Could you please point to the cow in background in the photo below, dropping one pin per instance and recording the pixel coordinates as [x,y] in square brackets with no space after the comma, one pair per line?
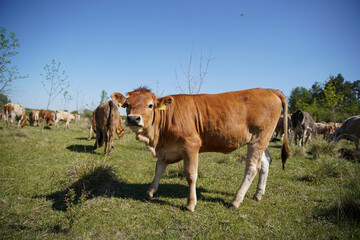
[324,129]
[34,117]
[92,124]
[335,126]
[179,127]
[106,121]
[46,116]
[303,126]
[63,116]
[1,114]
[77,117]
[279,127]
[12,112]
[349,130]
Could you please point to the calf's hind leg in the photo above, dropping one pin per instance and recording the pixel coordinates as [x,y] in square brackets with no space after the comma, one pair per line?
[265,163]
[254,155]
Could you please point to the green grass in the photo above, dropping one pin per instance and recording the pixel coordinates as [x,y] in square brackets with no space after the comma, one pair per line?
[53,186]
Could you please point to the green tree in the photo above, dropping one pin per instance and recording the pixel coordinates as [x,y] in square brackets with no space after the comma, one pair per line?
[299,98]
[3,100]
[55,81]
[333,99]
[87,112]
[8,72]
[104,96]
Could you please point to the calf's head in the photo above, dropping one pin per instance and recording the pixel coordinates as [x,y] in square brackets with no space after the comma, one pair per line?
[141,105]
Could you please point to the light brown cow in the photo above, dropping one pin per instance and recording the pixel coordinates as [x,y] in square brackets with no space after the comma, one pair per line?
[12,112]
[92,124]
[349,130]
[335,126]
[106,120]
[324,129]
[179,127]
[63,116]
[46,116]
[77,117]
[34,117]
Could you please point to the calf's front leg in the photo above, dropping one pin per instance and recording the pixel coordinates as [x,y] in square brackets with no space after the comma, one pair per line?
[159,170]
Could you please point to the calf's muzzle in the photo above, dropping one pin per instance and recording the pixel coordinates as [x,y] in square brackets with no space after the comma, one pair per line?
[133,120]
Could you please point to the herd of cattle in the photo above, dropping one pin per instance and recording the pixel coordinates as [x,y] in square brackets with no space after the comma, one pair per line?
[14,112]
[302,127]
[179,127]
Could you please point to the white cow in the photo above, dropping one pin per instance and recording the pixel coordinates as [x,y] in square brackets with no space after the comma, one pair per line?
[63,116]
[14,111]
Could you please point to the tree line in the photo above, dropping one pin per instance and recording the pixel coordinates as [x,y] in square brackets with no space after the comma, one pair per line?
[331,101]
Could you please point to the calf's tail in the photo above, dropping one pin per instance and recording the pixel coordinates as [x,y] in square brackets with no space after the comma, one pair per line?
[285,152]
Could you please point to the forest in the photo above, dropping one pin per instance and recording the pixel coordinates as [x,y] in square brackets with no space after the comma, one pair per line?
[332,101]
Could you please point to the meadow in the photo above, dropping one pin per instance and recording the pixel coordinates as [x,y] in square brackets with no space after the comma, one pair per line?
[54,186]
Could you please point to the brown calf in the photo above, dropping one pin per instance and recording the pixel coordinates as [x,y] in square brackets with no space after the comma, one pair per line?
[106,121]
[179,127]
[46,116]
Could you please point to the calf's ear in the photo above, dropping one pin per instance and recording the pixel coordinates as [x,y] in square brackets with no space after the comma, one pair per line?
[118,98]
[164,102]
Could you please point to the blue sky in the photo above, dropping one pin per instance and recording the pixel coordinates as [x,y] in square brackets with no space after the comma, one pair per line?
[120,45]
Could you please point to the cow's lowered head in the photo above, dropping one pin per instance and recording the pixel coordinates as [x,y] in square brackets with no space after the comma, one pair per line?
[140,107]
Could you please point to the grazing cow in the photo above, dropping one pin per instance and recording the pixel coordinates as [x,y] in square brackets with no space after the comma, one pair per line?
[325,129]
[279,127]
[77,117]
[92,124]
[34,117]
[63,116]
[303,126]
[179,127]
[106,120]
[46,116]
[335,126]
[349,130]
[14,111]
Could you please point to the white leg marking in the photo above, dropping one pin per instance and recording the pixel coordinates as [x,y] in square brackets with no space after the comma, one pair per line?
[265,163]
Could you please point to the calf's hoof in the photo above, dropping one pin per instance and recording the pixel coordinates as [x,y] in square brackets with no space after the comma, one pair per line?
[190,208]
[257,197]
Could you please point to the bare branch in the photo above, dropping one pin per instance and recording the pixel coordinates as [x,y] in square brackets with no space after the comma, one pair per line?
[194,81]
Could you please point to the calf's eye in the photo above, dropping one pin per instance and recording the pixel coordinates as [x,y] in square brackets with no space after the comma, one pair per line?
[150,106]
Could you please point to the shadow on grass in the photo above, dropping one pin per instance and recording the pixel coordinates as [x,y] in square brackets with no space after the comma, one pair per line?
[275,140]
[82,148]
[348,211]
[102,182]
[84,138]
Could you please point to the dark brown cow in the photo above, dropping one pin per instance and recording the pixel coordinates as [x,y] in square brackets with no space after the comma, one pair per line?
[106,121]
[46,116]
[178,127]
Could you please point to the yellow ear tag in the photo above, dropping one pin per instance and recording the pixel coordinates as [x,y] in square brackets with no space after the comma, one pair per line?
[162,107]
[120,105]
